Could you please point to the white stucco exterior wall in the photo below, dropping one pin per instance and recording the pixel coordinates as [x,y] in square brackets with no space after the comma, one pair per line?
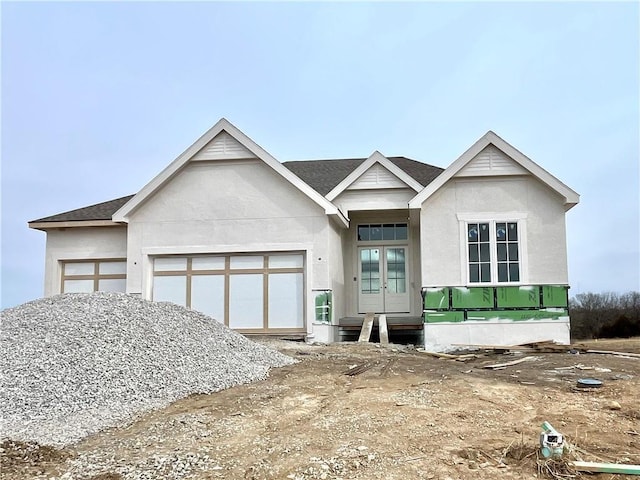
[229,207]
[80,244]
[376,199]
[543,244]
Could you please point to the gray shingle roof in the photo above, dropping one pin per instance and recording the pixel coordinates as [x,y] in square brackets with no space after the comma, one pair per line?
[321,175]
[99,211]
[324,175]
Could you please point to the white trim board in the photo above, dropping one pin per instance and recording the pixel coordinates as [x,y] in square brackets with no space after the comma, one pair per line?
[376,157]
[571,198]
[223,125]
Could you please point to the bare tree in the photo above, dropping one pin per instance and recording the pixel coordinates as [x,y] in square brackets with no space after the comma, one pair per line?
[605,314]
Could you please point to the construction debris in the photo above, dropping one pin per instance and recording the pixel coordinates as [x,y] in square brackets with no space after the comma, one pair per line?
[358,369]
[618,354]
[382,328]
[461,358]
[551,442]
[508,364]
[596,467]
[367,326]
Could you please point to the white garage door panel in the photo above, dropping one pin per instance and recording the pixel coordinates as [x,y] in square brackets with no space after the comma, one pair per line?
[285,300]
[207,295]
[231,288]
[170,289]
[246,301]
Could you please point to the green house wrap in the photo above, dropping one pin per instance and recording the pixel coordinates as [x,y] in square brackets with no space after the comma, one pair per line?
[323,307]
[518,297]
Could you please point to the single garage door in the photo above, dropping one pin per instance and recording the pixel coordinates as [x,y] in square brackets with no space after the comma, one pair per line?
[255,293]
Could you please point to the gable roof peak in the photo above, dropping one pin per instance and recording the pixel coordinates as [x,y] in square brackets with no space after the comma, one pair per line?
[571,198]
[122,215]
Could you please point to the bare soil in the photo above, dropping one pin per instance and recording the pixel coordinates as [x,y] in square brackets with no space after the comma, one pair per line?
[407,415]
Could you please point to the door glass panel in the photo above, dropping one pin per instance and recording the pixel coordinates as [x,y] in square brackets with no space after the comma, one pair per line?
[169,264]
[112,285]
[370,270]
[78,286]
[285,300]
[79,268]
[246,300]
[170,289]
[285,261]
[207,263]
[113,268]
[252,261]
[207,295]
[396,270]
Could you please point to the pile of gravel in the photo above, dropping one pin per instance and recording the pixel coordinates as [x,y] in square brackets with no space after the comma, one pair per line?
[74,364]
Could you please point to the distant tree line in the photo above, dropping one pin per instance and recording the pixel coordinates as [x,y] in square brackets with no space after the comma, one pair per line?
[605,315]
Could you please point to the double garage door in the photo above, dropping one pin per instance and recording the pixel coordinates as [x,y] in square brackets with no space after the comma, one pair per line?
[257,293]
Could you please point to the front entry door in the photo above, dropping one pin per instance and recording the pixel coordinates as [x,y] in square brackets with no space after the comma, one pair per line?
[382,286]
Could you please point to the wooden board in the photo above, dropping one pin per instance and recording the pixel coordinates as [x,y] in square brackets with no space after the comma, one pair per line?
[607,468]
[620,354]
[367,326]
[508,364]
[384,333]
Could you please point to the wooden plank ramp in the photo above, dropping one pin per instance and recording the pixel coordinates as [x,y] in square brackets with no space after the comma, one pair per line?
[367,326]
[382,328]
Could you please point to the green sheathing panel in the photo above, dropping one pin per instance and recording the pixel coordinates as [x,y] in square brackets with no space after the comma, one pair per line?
[436,317]
[436,298]
[517,315]
[518,297]
[554,296]
[474,297]
[323,307]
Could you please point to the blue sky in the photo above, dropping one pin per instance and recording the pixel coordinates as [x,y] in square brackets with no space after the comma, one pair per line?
[97,98]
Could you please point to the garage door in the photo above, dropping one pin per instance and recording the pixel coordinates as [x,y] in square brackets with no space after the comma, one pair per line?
[257,293]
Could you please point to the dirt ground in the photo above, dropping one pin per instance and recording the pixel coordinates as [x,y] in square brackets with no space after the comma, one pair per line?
[407,416]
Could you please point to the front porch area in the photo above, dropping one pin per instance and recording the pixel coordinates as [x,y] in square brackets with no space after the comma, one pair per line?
[402,330]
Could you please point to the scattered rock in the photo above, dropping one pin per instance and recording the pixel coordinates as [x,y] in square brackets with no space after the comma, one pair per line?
[613,405]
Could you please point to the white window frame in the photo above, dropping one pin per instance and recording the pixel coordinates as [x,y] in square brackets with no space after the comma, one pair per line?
[492,218]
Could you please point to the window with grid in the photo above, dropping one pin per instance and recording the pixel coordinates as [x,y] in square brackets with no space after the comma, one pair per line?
[493,252]
[86,276]
[382,231]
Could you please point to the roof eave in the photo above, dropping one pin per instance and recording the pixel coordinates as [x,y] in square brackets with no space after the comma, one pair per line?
[375,157]
[44,226]
[490,138]
[122,214]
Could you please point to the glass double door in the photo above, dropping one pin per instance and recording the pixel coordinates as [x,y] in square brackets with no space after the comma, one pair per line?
[383,279]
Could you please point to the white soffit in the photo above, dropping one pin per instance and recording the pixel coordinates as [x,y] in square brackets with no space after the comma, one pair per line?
[376,172]
[223,139]
[506,157]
